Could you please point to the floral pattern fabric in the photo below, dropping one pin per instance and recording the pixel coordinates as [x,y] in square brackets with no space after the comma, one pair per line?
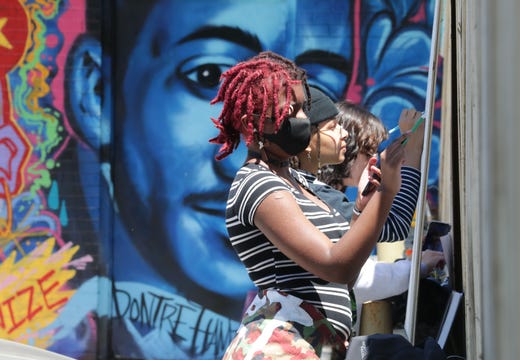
[281,326]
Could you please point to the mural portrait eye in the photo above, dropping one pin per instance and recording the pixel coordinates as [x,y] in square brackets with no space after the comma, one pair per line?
[201,73]
[206,75]
[209,75]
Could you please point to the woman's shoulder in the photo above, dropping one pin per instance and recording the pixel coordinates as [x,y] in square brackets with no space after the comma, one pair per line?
[255,168]
[252,184]
[256,172]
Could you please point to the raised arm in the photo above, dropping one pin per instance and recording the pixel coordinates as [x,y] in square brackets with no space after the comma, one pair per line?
[401,214]
[279,217]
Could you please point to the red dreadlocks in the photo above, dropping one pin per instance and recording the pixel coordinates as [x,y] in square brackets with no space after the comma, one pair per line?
[249,88]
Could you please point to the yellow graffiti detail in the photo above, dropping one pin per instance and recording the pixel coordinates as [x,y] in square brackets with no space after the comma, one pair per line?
[32,292]
[3,40]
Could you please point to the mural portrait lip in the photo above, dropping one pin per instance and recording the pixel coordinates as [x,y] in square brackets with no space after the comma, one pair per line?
[213,203]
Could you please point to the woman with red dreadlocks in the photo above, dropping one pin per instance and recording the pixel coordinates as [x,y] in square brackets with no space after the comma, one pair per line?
[295,247]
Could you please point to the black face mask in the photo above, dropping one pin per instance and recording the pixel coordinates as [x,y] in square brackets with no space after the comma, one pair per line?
[293,136]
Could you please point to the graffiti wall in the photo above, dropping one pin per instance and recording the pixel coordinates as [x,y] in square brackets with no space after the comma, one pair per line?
[112,235]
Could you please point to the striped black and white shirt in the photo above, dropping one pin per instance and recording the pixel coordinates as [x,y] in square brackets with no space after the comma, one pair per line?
[266,265]
[397,225]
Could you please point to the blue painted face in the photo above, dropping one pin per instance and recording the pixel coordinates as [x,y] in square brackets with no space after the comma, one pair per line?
[168,183]
[172,75]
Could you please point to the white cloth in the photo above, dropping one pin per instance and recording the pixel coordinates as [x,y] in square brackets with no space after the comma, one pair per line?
[380,280]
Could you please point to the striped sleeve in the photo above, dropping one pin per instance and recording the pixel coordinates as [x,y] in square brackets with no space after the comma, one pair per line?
[397,225]
[251,190]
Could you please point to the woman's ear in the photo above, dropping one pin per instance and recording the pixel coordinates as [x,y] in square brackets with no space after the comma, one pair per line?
[314,140]
[87,92]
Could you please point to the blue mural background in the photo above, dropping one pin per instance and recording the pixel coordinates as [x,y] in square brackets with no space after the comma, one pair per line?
[119,185]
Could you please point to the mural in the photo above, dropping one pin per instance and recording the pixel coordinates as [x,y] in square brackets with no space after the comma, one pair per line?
[113,242]
[37,264]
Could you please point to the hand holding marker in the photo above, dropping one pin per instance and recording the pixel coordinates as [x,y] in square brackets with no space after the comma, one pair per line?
[393,135]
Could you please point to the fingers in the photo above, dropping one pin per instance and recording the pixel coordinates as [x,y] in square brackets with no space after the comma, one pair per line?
[412,114]
[408,118]
[433,258]
[374,177]
[395,152]
[391,161]
[376,173]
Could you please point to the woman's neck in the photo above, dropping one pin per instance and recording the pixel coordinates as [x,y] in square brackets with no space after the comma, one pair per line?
[269,159]
[308,165]
[350,182]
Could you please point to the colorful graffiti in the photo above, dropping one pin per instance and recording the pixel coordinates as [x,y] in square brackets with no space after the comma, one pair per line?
[112,234]
[37,265]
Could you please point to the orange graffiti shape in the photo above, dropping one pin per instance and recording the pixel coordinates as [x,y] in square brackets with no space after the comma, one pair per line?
[32,291]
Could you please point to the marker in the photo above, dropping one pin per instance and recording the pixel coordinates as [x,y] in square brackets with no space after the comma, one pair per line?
[393,135]
[414,127]
[417,123]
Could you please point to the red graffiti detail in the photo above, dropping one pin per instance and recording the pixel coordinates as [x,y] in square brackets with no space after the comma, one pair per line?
[31,312]
[15,30]
[14,154]
[14,147]
[16,324]
[420,15]
[48,290]
[354,89]
[2,321]
[27,298]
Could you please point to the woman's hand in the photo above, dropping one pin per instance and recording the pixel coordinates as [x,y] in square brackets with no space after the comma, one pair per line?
[391,160]
[389,176]
[408,119]
[431,259]
[371,174]
[414,146]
